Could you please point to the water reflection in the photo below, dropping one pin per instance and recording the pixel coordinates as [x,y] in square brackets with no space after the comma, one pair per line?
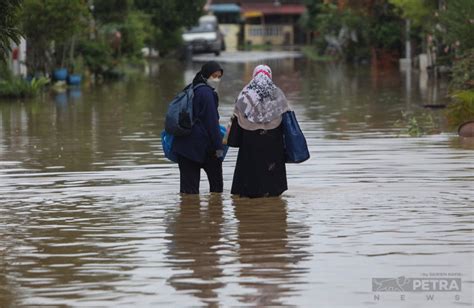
[63,249]
[64,96]
[348,99]
[119,123]
[270,251]
[61,98]
[195,242]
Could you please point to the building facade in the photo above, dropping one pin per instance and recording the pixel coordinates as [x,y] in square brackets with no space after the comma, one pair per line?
[16,60]
[261,22]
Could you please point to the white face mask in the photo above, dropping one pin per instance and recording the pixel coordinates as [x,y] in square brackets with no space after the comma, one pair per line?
[213,82]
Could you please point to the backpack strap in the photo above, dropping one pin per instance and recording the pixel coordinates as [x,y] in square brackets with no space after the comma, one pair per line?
[198,85]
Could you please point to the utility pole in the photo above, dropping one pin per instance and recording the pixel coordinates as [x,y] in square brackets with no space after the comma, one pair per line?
[405,63]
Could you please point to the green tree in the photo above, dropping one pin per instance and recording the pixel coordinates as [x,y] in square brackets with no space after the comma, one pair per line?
[458,24]
[112,11]
[313,9]
[48,23]
[134,30]
[385,27]
[168,18]
[8,26]
[420,12]
[121,16]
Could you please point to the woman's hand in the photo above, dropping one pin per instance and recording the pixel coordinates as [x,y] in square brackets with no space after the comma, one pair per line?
[220,154]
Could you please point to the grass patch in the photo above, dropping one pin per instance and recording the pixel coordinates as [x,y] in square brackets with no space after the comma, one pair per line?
[255,47]
[417,125]
[311,53]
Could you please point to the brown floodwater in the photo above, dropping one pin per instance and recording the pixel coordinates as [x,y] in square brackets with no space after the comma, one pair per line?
[90,214]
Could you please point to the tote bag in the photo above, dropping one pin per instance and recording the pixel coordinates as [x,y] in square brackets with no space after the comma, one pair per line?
[233,134]
[296,149]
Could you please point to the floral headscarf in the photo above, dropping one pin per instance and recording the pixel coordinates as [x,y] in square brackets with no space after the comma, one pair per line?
[261,101]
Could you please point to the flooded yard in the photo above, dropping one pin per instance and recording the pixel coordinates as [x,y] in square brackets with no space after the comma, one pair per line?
[90,214]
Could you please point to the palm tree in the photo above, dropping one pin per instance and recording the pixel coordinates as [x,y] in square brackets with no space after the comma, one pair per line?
[8,26]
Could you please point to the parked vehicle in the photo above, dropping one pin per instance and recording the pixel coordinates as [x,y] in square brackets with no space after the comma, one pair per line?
[205,37]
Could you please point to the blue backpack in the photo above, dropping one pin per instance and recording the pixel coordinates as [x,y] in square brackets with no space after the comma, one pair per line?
[179,118]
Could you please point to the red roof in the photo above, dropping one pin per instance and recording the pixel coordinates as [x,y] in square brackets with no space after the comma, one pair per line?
[271,9]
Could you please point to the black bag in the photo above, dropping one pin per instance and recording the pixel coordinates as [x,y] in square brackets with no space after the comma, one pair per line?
[234,133]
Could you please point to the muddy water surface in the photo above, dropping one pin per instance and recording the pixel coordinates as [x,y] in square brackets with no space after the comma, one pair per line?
[90,215]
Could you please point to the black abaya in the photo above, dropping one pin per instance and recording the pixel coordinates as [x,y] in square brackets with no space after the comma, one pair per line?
[260,170]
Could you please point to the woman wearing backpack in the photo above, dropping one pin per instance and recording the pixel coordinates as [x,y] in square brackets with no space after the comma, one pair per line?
[203,148]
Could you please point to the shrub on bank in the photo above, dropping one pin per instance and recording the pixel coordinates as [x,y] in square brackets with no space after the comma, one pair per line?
[463,72]
[462,87]
[462,109]
[17,87]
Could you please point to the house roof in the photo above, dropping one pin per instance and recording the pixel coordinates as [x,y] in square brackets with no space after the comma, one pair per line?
[224,8]
[256,9]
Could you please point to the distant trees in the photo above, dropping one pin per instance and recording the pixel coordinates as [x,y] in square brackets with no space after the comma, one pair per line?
[120,24]
[51,28]
[168,17]
[353,28]
[448,25]
[420,12]
[457,20]
[157,24]
[98,32]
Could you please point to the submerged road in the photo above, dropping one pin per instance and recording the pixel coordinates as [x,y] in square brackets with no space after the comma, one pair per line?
[247,56]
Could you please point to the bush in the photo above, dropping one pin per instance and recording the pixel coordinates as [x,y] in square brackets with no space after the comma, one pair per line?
[97,56]
[17,87]
[463,72]
[343,33]
[462,109]
[462,87]
[417,125]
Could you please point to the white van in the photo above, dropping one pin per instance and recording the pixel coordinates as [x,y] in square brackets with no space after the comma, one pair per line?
[205,37]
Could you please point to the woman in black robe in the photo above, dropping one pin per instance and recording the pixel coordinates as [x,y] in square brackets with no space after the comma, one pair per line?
[257,131]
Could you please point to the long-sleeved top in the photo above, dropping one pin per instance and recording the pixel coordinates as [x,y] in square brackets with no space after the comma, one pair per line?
[205,137]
